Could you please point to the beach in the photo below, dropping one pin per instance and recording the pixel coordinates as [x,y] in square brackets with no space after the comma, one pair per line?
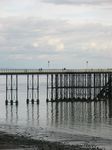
[58,141]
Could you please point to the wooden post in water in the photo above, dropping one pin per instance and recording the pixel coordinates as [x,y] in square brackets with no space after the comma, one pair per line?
[47,99]
[27,101]
[16,89]
[6,101]
[37,89]
[32,89]
[52,89]
[11,101]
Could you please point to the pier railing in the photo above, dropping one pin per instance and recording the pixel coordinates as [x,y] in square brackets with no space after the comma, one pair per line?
[50,71]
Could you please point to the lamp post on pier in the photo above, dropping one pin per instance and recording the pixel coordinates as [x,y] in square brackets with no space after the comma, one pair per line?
[48,64]
[86,64]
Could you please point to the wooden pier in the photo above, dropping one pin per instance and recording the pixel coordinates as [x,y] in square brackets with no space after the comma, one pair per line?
[61,84]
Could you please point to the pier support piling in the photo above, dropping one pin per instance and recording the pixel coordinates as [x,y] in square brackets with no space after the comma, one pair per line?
[79,86]
[11,89]
[32,89]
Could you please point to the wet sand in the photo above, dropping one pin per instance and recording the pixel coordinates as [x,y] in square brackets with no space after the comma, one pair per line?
[14,141]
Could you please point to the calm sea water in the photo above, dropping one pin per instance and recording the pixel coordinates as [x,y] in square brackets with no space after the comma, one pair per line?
[93,118]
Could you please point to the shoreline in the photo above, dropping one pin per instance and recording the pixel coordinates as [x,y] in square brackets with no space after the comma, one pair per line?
[19,137]
[14,141]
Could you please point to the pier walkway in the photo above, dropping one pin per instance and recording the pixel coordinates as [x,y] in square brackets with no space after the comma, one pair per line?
[52,71]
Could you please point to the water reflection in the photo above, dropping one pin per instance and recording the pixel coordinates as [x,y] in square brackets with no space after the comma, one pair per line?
[78,113]
[110,109]
[11,114]
[32,114]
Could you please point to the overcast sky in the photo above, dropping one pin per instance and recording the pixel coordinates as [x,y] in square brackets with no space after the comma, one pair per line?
[65,32]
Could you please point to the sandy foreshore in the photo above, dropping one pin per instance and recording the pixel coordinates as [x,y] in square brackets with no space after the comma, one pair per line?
[13,141]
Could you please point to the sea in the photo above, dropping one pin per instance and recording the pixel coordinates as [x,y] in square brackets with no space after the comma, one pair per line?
[87,118]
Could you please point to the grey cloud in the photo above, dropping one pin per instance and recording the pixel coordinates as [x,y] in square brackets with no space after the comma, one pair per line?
[78,2]
[19,35]
[90,39]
